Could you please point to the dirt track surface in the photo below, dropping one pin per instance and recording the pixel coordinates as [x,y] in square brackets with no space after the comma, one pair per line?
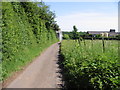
[42,72]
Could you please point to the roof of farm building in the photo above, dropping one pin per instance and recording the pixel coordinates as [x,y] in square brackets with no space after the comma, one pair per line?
[97,32]
[112,31]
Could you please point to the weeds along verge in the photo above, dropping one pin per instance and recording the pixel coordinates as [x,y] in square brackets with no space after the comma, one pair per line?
[87,66]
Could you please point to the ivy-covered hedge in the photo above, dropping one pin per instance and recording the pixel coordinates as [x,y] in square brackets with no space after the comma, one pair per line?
[27,29]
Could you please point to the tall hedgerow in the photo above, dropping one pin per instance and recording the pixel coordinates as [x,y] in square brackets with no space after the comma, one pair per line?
[27,29]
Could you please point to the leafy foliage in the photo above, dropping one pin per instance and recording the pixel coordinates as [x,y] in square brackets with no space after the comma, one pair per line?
[66,36]
[75,34]
[87,67]
[26,31]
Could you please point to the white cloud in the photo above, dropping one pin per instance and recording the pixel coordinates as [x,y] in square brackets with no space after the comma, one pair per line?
[88,21]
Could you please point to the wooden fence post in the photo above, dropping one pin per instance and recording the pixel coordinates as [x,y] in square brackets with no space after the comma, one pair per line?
[103,43]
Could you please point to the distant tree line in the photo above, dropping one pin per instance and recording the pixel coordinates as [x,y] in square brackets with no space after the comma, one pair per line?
[74,34]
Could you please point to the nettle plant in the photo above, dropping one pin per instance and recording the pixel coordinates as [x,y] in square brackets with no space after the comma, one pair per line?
[88,67]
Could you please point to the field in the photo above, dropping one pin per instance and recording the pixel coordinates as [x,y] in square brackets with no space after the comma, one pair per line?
[91,64]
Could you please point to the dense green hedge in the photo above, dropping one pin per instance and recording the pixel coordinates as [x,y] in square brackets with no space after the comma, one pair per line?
[87,67]
[26,31]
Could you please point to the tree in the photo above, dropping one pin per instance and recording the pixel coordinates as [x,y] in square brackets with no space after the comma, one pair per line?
[66,36]
[118,37]
[75,29]
[75,34]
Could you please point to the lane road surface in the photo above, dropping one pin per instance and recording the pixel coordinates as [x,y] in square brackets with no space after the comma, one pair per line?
[42,72]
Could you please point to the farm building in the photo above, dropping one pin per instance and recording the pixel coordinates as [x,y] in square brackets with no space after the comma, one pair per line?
[104,33]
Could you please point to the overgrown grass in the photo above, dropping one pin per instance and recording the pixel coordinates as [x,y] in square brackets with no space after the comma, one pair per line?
[88,67]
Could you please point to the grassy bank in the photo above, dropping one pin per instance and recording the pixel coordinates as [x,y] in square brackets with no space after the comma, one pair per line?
[21,59]
[27,30]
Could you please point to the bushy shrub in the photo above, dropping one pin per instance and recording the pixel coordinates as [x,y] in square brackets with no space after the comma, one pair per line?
[87,67]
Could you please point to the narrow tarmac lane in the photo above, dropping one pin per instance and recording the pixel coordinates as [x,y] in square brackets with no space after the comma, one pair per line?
[42,72]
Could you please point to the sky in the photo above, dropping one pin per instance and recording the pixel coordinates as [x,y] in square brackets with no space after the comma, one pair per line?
[90,15]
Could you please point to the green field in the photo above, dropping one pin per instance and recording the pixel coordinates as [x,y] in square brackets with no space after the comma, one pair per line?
[87,65]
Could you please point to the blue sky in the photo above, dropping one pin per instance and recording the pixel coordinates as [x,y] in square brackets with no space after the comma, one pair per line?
[87,16]
[64,8]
